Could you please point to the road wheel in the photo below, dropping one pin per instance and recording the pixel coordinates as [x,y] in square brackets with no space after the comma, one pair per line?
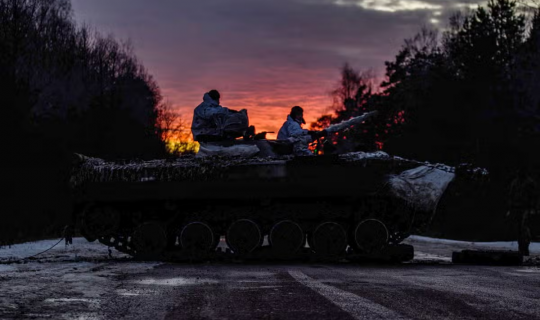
[197,238]
[149,238]
[244,236]
[370,235]
[286,238]
[329,239]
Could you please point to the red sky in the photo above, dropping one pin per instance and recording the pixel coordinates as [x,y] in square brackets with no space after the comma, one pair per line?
[262,55]
[268,95]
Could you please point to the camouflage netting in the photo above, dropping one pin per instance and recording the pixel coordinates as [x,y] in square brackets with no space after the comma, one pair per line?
[421,187]
[88,169]
[190,167]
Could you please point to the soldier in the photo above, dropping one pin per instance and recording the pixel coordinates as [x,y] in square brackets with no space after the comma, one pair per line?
[523,201]
[212,122]
[292,131]
[68,234]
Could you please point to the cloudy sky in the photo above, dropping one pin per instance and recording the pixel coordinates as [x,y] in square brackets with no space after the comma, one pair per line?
[262,55]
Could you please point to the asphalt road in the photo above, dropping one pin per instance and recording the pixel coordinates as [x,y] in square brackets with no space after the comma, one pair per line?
[430,287]
[328,292]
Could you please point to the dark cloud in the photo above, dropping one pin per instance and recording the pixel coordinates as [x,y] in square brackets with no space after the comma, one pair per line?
[263,55]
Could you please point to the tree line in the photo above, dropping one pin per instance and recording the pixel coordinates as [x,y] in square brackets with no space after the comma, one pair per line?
[65,89]
[468,94]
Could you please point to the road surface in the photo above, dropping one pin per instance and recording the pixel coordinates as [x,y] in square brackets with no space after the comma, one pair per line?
[82,282]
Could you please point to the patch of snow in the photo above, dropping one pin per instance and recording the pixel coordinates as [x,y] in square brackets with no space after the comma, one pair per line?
[422,256]
[70,300]
[128,294]
[134,292]
[80,248]
[59,283]
[360,155]
[60,290]
[175,281]
[6,268]
[84,316]
[506,245]
[529,270]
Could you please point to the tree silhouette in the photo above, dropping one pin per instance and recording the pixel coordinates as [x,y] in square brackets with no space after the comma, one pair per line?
[175,131]
[482,57]
[459,93]
[526,83]
[65,89]
[352,97]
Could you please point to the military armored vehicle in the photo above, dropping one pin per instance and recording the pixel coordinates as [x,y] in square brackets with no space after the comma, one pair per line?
[264,205]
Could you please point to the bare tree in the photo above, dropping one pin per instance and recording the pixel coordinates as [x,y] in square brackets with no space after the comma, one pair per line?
[173,127]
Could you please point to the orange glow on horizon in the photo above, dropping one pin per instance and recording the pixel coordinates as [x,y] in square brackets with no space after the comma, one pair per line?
[268,94]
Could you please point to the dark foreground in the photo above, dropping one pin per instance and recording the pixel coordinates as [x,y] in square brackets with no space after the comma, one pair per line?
[430,287]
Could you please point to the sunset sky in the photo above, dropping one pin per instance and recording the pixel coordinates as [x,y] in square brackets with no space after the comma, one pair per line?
[262,55]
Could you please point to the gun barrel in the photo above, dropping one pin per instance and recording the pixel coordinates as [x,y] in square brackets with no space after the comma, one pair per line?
[351,122]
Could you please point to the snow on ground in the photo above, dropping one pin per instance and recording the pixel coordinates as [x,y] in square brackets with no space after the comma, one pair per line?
[74,278]
[497,245]
[440,250]
[80,248]
[426,249]
[67,290]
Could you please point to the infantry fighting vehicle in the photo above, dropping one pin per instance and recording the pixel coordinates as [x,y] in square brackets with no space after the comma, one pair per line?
[263,205]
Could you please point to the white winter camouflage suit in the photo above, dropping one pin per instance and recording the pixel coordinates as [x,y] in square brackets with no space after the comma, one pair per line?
[206,117]
[292,131]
